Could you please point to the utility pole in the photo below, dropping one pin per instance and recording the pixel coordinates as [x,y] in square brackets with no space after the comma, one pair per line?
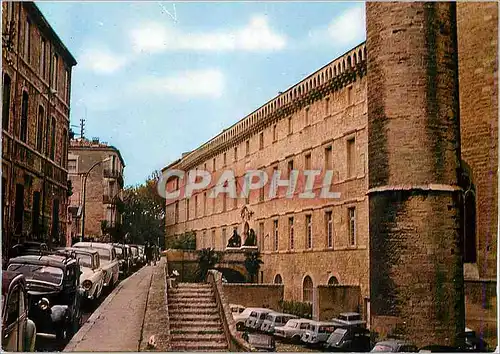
[82,128]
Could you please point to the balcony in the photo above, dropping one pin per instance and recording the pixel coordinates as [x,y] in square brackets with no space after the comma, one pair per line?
[113,173]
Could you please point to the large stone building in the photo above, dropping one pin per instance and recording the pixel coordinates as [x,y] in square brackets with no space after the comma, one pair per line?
[322,123]
[36,86]
[101,165]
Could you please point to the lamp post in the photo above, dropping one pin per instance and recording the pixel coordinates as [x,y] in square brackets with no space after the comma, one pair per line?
[85,192]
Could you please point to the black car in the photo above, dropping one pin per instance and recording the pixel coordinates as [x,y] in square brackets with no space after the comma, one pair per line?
[27,248]
[350,339]
[123,259]
[55,296]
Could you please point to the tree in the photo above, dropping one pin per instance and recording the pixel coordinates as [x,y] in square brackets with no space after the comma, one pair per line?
[252,264]
[143,217]
[207,259]
[186,241]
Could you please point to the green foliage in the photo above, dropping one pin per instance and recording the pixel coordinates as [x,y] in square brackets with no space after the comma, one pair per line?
[252,264]
[143,212]
[186,241]
[297,308]
[207,259]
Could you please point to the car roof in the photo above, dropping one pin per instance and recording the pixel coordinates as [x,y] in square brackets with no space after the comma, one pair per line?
[49,260]
[262,309]
[81,250]
[8,277]
[349,314]
[93,245]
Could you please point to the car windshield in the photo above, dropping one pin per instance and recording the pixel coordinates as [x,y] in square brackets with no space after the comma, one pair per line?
[381,348]
[39,272]
[270,318]
[337,335]
[292,324]
[85,260]
[103,253]
[118,250]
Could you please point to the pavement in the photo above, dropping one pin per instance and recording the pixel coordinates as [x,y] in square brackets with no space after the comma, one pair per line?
[117,325]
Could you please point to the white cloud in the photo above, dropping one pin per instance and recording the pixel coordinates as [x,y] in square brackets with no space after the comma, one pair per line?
[349,26]
[101,61]
[193,83]
[257,35]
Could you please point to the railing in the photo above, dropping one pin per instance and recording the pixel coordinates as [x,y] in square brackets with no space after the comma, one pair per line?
[235,342]
[112,173]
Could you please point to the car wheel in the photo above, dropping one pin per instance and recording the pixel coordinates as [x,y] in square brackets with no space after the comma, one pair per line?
[296,339]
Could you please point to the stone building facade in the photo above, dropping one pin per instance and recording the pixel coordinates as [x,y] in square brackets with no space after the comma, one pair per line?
[326,114]
[104,187]
[36,87]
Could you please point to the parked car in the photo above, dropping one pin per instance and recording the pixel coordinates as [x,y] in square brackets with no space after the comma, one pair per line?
[472,343]
[55,295]
[130,259]
[350,339]
[121,255]
[136,261]
[394,346]
[261,342]
[240,318]
[349,319]
[293,330]
[18,331]
[236,309]
[109,263]
[317,333]
[142,254]
[256,318]
[275,320]
[92,276]
[27,248]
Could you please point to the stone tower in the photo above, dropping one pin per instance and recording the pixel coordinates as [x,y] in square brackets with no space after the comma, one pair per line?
[416,270]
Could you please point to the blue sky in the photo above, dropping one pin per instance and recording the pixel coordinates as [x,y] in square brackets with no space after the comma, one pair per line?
[156,86]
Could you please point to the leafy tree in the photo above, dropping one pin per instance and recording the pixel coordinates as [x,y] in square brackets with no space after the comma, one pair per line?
[186,241]
[207,259]
[252,264]
[143,215]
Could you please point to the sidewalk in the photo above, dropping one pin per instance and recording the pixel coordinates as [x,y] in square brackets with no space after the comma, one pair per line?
[117,324]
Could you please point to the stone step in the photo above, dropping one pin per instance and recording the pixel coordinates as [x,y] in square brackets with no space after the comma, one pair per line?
[191,300]
[194,285]
[190,346]
[197,330]
[190,293]
[189,311]
[193,317]
[198,338]
[188,325]
[191,305]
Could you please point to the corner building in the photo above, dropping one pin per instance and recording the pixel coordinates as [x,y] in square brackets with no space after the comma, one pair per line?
[320,123]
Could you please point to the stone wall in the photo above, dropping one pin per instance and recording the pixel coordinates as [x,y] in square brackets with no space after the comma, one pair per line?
[255,295]
[331,300]
[481,309]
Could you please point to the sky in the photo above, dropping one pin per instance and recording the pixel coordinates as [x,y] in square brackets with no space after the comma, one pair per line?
[157,79]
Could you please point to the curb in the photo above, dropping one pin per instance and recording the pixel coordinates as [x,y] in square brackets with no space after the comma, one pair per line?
[79,336]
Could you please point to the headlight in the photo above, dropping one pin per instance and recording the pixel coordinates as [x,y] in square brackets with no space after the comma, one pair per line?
[87,284]
[44,303]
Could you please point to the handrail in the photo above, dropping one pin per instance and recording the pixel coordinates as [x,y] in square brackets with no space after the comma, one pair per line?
[235,342]
[167,324]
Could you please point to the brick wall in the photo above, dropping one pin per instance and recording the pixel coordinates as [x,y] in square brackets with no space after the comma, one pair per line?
[254,295]
[331,300]
[481,309]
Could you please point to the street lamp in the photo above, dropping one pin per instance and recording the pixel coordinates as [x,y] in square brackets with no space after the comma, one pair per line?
[85,192]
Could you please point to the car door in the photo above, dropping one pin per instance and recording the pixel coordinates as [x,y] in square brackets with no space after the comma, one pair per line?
[11,336]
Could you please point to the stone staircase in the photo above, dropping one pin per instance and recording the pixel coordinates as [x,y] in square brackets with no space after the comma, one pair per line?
[195,324]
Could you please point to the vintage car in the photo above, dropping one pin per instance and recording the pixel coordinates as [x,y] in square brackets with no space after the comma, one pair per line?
[349,339]
[55,295]
[349,319]
[317,333]
[240,318]
[92,277]
[256,318]
[136,261]
[108,260]
[27,248]
[261,342]
[292,330]
[123,260]
[236,309]
[275,320]
[394,346]
[18,331]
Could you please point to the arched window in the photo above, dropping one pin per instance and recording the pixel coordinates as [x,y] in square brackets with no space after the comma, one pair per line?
[333,281]
[307,289]
[354,59]
[278,279]
[23,134]
[348,62]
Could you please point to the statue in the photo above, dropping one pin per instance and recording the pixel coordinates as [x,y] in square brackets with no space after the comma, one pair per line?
[235,240]
[251,239]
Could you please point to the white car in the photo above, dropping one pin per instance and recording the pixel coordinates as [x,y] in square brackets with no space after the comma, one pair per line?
[293,330]
[109,261]
[92,277]
[236,309]
[275,320]
[256,318]
[241,317]
[317,333]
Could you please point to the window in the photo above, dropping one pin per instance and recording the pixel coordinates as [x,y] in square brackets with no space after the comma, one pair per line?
[290,232]
[306,116]
[278,279]
[327,106]
[204,203]
[290,167]
[247,146]
[195,206]
[328,158]
[351,157]
[352,225]
[176,212]
[333,281]
[224,238]
[67,85]
[24,118]
[224,159]
[307,289]
[329,229]
[53,139]
[213,164]
[349,95]
[235,154]
[205,166]
[276,235]
[309,231]
[13,307]
[307,163]
[64,154]
[27,49]
[54,71]
[261,236]
[261,140]
[187,209]
[290,127]
[261,194]
[275,133]
[72,166]
[213,202]
[6,102]
[213,238]
[39,134]
[42,57]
